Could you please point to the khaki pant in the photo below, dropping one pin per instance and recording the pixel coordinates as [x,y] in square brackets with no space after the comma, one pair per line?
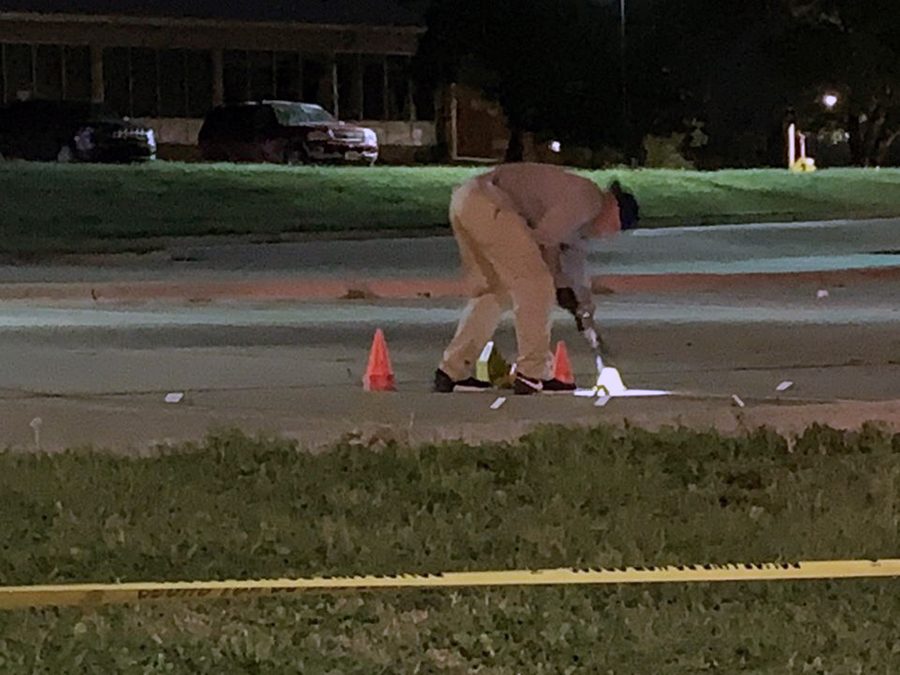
[502,263]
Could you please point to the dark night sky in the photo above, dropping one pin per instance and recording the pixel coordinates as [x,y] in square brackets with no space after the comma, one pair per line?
[376,12]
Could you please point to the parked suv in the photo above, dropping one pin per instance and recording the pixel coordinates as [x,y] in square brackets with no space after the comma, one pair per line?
[68,131]
[283,132]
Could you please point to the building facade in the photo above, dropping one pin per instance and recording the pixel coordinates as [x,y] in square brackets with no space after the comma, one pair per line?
[168,71]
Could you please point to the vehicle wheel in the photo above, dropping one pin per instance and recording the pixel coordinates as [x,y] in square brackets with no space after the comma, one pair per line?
[295,156]
[65,155]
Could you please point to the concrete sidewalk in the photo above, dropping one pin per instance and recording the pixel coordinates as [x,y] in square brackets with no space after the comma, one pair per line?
[676,259]
[138,425]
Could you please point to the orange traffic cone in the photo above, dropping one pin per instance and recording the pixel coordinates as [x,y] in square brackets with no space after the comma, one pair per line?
[379,373]
[562,367]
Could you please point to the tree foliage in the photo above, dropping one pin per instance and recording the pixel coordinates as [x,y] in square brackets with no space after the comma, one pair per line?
[551,65]
[713,65]
[853,49]
[738,70]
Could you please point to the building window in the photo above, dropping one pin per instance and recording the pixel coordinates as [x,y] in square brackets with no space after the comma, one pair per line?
[235,75]
[249,75]
[144,82]
[423,98]
[117,79]
[199,74]
[398,99]
[374,90]
[144,79]
[262,75]
[316,81]
[77,80]
[172,84]
[141,82]
[350,92]
[287,75]
[18,71]
[48,72]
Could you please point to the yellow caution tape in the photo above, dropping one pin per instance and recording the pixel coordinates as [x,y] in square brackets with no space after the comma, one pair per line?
[91,595]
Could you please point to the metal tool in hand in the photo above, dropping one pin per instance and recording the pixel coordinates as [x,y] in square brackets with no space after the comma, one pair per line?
[594,339]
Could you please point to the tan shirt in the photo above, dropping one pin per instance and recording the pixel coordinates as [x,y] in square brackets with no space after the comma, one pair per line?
[560,207]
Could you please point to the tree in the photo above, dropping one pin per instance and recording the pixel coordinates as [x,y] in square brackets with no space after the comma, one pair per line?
[851,47]
[551,65]
[711,64]
[734,68]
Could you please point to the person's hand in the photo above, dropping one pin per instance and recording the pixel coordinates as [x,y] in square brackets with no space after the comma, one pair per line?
[592,336]
[584,321]
[565,298]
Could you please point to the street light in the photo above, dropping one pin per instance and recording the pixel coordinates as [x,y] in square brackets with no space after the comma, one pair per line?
[830,100]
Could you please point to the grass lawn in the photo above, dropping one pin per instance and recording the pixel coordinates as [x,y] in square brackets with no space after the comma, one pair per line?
[49,208]
[242,507]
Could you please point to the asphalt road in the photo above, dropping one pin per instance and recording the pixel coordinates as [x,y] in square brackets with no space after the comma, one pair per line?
[723,249]
[98,375]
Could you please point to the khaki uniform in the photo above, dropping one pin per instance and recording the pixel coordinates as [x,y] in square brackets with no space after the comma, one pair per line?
[521,230]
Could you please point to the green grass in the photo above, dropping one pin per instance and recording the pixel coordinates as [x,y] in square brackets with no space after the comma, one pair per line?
[57,208]
[804,628]
[241,507]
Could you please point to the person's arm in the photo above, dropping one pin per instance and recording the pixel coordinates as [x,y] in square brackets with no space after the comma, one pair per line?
[559,230]
[552,255]
[577,296]
[573,275]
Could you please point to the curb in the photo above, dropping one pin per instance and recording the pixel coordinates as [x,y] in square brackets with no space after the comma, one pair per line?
[301,288]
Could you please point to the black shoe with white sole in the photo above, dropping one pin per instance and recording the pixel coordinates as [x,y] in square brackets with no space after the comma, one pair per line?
[444,384]
[526,386]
